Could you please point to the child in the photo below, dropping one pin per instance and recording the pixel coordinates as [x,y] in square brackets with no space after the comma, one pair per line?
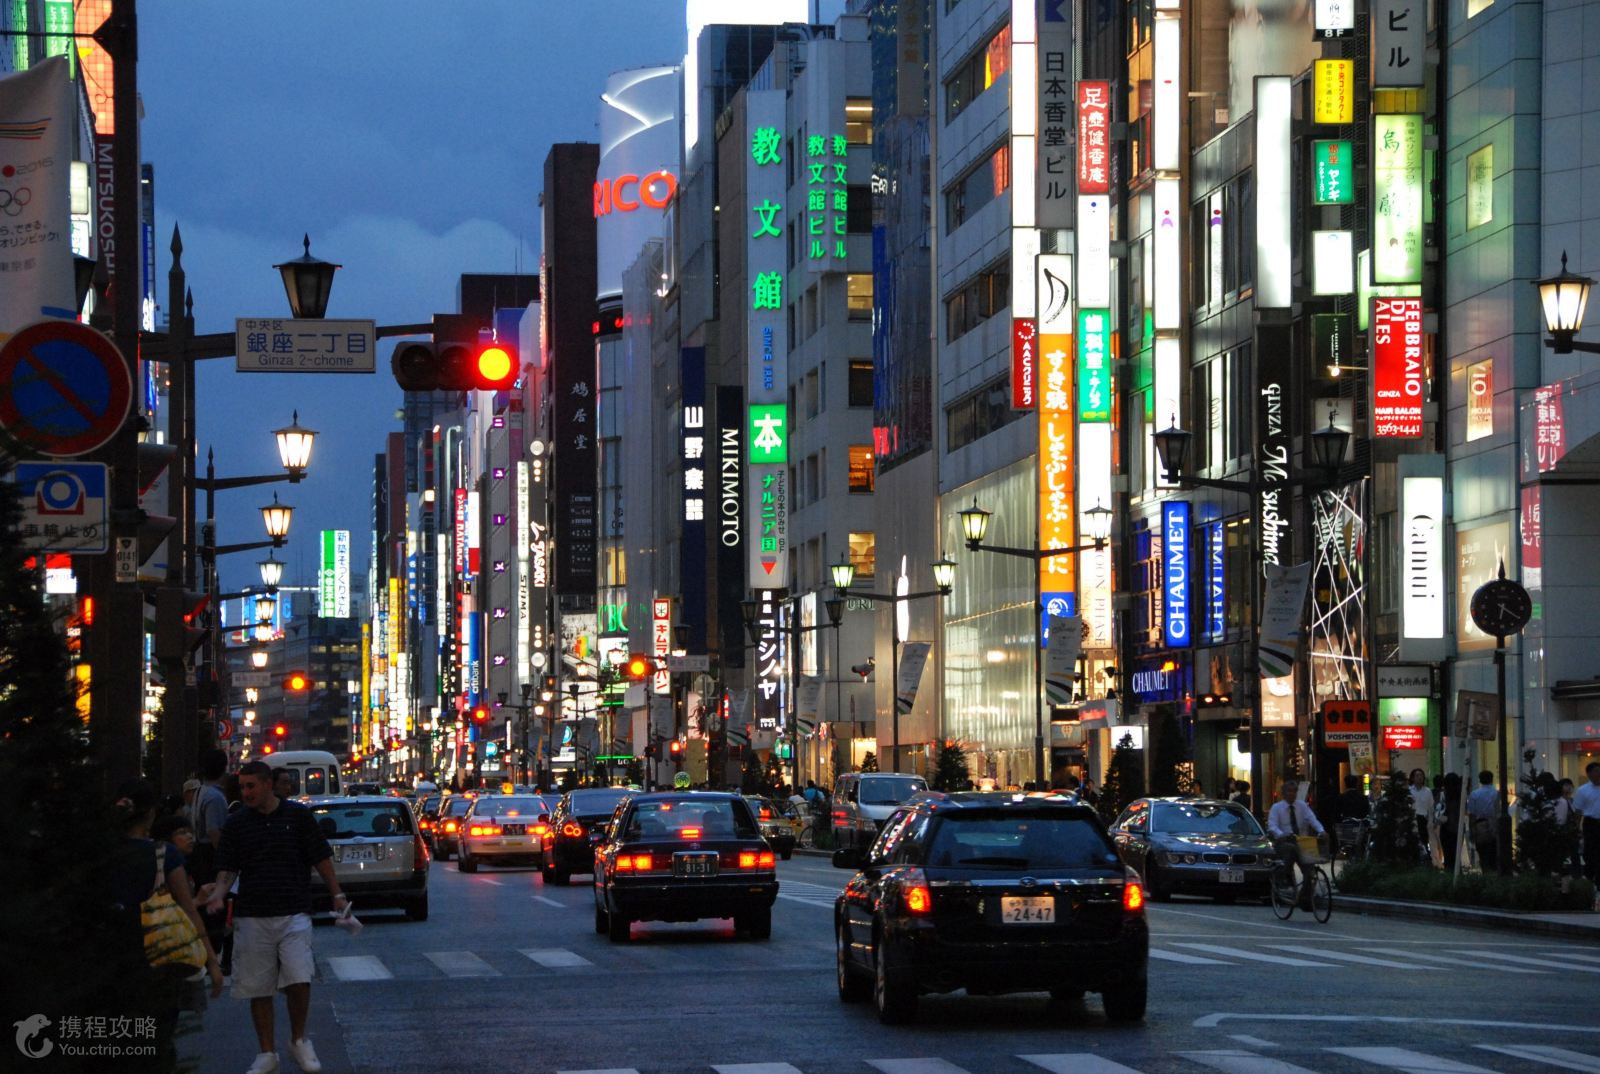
[174,829]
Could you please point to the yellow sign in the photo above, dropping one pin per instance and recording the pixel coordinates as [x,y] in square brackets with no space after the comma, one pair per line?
[1333,89]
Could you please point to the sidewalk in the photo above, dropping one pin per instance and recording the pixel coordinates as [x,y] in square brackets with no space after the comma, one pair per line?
[1576,924]
[226,1043]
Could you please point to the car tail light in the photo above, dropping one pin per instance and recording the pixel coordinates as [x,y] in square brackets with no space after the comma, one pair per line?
[635,863]
[689,833]
[484,829]
[756,859]
[541,829]
[425,824]
[419,854]
[572,829]
[1133,897]
[451,826]
[918,896]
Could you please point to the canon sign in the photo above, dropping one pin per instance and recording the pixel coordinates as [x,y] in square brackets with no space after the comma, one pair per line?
[626,193]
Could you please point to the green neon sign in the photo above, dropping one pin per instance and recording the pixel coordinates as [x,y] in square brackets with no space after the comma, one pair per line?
[769,434]
[1334,173]
[1094,365]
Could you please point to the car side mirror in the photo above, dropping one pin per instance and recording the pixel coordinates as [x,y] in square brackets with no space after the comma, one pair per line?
[848,858]
[543,817]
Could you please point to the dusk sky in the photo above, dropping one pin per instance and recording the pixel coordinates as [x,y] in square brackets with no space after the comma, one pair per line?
[409,140]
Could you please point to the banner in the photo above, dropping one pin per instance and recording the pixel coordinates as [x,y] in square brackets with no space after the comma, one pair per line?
[1061,657]
[810,693]
[1361,760]
[36,152]
[1477,716]
[1285,596]
[913,655]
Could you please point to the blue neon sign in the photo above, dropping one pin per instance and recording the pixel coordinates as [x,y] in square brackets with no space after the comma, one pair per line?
[1175,571]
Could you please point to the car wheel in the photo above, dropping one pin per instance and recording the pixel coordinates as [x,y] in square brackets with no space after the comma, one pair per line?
[1126,1002]
[417,909]
[853,984]
[756,924]
[618,928]
[558,877]
[787,854]
[602,920]
[1153,886]
[442,855]
[895,1001]
[466,865]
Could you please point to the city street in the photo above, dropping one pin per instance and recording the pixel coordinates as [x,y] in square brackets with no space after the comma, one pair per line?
[508,975]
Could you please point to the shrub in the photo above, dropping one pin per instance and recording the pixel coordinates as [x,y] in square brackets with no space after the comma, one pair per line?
[1521,892]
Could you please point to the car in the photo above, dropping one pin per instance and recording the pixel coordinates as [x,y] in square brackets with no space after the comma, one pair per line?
[447,825]
[991,893]
[364,789]
[379,856]
[427,812]
[503,829]
[864,801]
[684,856]
[1199,846]
[780,823]
[576,828]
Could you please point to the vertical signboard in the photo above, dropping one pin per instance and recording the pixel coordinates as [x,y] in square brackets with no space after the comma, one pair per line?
[1423,586]
[1333,91]
[1274,101]
[1532,527]
[1216,583]
[1094,146]
[1397,198]
[333,581]
[1094,251]
[1054,183]
[1397,369]
[1333,172]
[1175,573]
[1273,347]
[1549,430]
[1330,341]
[769,661]
[1334,18]
[1397,42]
[1056,470]
[661,642]
[1165,145]
[1024,362]
[696,489]
[827,172]
[766,341]
[731,529]
[1094,365]
[1480,400]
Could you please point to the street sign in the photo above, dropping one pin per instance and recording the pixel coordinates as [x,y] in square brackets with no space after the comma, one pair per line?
[1345,721]
[65,389]
[127,560]
[678,662]
[287,345]
[65,506]
[224,729]
[258,679]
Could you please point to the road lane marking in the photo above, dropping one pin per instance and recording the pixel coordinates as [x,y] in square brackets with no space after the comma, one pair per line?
[1571,954]
[1365,960]
[916,1066]
[1410,1061]
[556,957]
[1253,1042]
[1212,1021]
[490,880]
[607,1070]
[1458,963]
[754,1068]
[1232,1061]
[808,900]
[1548,1053]
[359,968]
[460,964]
[1077,1063]
[1254,956]
[550,902]
[1190,960]
[1157,913]
[1520,960]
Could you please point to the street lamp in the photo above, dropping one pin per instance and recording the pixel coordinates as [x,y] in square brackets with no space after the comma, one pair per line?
[258,659]
[277,517]
[308,281]
[294,447]
[271,571]
[975,527]
[1564,297]
[944,576]
[264,631]
[265,606]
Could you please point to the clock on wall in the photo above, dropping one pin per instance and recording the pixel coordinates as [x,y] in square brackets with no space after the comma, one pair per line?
[1501,607]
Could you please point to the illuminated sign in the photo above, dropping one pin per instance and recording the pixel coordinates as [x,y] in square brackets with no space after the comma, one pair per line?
[769,551]
[694,465]
[1397,198]
[1168,267]
[769,660]
[1274,101]
[626,193]
[1094,252]
[1397,369]
[1333,173]
[461,530]
[1055,294]
[1175,567]
[1024,362]
[769,434]
[1056,488]
[767,255]
[827,198]
[730,495]
[1334,18]
[1166,150]
[661,641]
[1094,146]
[1272,442]
[1333,263]
[1056,97]
[1333,90]
[1404,738]
[1549,427]
[1216,583]
[1480,399]
[1330,339]
[1422,581]
[329,579]
[1094,365]
[1095,588]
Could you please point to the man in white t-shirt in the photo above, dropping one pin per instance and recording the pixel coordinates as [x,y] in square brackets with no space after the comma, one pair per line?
[1586,800]
[1286,822]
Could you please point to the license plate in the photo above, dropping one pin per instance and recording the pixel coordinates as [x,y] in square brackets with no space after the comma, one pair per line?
[514,829]
[1230,876]
[360,854]
[694,865]
[1028,910]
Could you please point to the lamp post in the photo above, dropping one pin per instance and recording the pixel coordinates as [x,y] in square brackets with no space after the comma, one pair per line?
[844,575]
[1328,447]
[749,610]
[1564,297]
[975,527]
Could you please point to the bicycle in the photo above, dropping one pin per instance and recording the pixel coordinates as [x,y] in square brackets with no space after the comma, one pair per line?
[1286,890]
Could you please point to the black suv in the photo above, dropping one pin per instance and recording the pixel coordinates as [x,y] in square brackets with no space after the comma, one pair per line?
[575,831]
[684,856]
[992,893]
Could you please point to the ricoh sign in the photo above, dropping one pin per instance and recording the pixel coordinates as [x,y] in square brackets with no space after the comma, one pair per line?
[625,193]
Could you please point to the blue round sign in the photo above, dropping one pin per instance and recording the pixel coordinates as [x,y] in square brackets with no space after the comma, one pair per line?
[65,389]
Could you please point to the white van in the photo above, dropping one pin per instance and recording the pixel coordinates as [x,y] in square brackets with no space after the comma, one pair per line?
[863,801]
[314,773]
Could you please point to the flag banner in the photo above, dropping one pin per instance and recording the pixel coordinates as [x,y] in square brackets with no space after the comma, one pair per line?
[1285,589]
[913,655]
[1061,657]
[36,153]
[810,693]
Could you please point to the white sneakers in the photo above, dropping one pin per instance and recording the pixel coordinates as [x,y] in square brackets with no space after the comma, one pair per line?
[306,1056]
[266,1063]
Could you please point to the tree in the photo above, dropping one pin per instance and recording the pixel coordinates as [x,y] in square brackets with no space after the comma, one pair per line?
[869,762]
[1124,780]
[950,771]
[1544,846]
[1394,826]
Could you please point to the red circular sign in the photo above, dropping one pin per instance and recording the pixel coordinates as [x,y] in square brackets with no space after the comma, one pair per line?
[65,389]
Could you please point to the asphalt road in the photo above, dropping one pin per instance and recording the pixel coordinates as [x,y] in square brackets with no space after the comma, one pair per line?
[509,976]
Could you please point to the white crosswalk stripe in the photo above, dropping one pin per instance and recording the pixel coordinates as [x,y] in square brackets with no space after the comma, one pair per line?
[1191,960]
[607,1070]
[755,1068]
[359,968]
[1340,956]
[1231,1061]
[1253,956]
[1548,1053]
[556,957]
[460,964]
[1524,961]
[1077,1063]
[916,1066]
[1411,1062]
[1573,954]
[1458,961]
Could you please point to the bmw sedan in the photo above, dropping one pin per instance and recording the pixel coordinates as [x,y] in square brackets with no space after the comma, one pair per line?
[575,829]
[1197,846]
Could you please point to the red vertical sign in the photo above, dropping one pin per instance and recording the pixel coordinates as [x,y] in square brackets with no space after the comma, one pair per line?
[1532,537]
[1094,146]
[1024,363]
[1397,369]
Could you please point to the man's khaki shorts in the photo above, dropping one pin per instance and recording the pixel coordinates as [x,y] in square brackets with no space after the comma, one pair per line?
[270,953]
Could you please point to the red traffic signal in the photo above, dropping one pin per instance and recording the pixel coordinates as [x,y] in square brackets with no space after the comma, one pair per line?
[296,682]
[639,667]
[480,715]
[676,747]
[279,730]
[454,367]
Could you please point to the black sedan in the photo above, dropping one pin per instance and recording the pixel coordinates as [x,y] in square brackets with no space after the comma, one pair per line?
[1197,846]
[685,856]
[575,830]
[992,893]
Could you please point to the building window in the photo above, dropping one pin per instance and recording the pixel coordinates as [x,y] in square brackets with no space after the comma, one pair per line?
[863,476]
[987,180]
[860,382]
[977,73]
[811,392]
[980,413]
[858,295]
[980,298]
[858,120]
[864,553]
[858,209]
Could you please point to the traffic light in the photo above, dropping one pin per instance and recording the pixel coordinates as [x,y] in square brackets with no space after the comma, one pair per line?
[676,748]
[480,715]
[279,730]
[296,682]
[639,667]
[454,367]
[180,627]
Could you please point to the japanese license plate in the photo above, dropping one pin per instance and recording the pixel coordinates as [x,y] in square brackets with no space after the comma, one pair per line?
[514,829]
[1028,910]
[360,854]
[1230,876]
[694,865]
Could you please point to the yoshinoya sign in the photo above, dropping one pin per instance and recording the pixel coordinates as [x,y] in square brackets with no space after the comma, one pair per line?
[1175,571]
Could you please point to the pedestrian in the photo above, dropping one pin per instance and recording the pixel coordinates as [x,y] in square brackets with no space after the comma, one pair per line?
[1241,793]
[284,783]
[1088,793]
[207,814]
[812,793]
[1449,813]
[1483,809]
[1586,801]
[272,846]
[1422,808]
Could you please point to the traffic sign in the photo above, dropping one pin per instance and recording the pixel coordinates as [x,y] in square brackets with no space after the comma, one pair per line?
[287,345]
[258,679]
[224,729]
[65,389]
[680,662]
[127,560]
[65,507]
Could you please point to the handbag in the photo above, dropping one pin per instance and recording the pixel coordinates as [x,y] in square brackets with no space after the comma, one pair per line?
[170,938]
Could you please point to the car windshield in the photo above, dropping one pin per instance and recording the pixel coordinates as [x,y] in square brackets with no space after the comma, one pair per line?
[429,804]
[1018,840]
[457,807]
[688,818]
[509,807]
[1203,818]
[596,803]
[882,791]
[362,818]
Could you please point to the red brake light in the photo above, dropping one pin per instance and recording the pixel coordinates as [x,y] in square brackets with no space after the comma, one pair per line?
[689,833]
[1133,897]
[766,860]
[766,814]
[541,829]
[572,829]
[635,863]
[451,826]
[747,859]
[918,897]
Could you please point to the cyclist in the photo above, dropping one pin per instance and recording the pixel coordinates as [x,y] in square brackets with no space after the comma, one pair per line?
[1286,822]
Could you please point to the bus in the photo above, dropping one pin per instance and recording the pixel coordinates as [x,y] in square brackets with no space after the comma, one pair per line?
[311,772]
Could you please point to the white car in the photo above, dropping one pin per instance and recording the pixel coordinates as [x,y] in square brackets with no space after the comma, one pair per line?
[378,854]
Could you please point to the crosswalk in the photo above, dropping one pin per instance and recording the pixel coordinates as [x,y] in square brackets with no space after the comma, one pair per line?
[1359,956]
[1481,1058]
